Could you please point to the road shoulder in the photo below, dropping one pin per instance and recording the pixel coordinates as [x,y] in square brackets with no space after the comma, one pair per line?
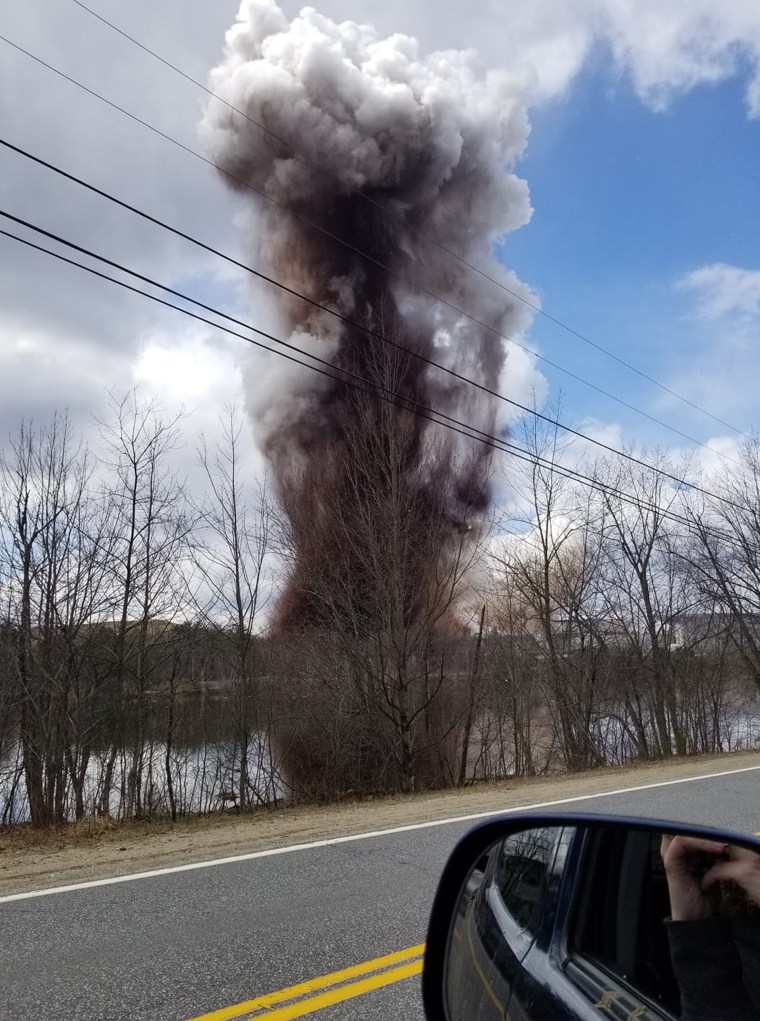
[30,862]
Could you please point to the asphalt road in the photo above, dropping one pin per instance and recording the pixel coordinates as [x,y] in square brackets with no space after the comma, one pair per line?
[174,947]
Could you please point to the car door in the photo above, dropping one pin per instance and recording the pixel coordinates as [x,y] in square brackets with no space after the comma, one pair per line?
[604,945]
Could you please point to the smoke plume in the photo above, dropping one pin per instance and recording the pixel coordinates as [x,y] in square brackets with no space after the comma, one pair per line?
[376,159]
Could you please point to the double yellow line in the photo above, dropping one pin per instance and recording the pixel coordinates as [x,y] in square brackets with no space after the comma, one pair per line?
[318,993]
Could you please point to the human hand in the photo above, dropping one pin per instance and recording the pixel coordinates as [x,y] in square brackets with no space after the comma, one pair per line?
[743,868]
[689,899]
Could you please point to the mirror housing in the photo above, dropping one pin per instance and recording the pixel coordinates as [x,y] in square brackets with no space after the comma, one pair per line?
[459,897]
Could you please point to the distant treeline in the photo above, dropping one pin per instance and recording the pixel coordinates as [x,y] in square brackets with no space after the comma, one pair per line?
[140,674]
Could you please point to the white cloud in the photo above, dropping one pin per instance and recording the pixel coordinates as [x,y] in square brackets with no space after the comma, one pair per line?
[725,290]
[722,451]
[188,370]
[666,47]
[671,46]
[64,337]
[521,381]
[722,324]
[609,433]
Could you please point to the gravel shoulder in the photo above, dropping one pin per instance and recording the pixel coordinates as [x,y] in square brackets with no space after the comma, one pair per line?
[30,861]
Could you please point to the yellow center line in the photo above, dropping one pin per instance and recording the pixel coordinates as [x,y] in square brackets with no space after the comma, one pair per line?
[317,993]
[483,978]
[347,992]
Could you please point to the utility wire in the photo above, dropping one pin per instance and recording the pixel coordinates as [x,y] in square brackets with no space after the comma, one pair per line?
[330,311]
[373,389]
[297,294]
[335,237]
[401,218]
[349,378]
[680,482]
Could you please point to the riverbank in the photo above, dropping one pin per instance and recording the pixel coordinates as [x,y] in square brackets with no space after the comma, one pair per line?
[97,850]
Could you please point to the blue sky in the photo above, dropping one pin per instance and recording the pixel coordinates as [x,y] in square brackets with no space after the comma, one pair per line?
[642,164]
[626,202]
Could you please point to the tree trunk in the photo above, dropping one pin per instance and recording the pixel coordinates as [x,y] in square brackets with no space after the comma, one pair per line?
[474,676]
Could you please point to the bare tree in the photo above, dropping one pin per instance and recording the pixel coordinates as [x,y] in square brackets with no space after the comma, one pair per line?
[645,594]
[234,562]
[724,554]
[146,552]
[550,582]
[53,591]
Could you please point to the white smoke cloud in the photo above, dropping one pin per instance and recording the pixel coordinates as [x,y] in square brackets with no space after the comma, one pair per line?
[430,137]
[375,112]
[373,172]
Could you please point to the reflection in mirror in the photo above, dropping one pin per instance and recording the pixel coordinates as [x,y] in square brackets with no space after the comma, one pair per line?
[581,921]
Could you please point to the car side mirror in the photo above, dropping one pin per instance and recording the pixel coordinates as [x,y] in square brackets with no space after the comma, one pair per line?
[576,916]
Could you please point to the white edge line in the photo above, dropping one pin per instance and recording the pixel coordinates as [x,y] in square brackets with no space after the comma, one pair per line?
[269,852]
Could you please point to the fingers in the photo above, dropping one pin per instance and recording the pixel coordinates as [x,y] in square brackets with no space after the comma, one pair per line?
[722,870]
[692,844]
[678,848]
[744,854]
[741,868]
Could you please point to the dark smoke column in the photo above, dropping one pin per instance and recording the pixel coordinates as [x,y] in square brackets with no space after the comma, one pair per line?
[430,144]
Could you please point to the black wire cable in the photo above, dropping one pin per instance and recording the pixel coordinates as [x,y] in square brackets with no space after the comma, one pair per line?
[408,404]
[377,390]
[335,237]
[402,219]
[371,388]
[546,418]
[325,308]
[316,304]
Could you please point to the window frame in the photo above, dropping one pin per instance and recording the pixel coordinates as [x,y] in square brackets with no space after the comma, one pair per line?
[606,987]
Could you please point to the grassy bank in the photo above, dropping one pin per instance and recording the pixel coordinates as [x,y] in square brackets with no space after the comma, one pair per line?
[31,859]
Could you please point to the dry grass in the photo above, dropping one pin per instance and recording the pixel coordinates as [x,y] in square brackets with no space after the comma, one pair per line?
[90,832]
[94,849]
[93,831]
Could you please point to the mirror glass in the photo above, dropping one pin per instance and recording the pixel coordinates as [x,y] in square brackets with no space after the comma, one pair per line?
[568,921]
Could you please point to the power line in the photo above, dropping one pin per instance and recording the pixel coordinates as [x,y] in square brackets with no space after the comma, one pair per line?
[572,475]
[375,389]
[335,237]
[537,414]
[297,294]
[518,453]
[393,214]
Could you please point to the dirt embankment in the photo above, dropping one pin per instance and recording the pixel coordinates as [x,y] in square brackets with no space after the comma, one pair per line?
[98,850]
